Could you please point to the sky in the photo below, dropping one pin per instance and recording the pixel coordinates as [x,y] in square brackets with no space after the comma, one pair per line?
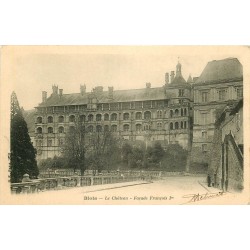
[32,69]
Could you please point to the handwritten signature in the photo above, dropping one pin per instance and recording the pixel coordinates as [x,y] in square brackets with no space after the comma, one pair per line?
[201,197]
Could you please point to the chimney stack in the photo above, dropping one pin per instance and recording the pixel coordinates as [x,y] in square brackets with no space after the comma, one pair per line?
[172,76]
[83,89]
[167,78]
[148,85]
[55,89]
[60,92]
[44,96]
[111,90]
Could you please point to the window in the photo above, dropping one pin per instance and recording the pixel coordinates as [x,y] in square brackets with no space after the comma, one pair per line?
[159,114]
[39,130]
[72,129]
[39,143]
[222,94]
[138,127]
[185,124]
[61,118]
[50,119]
[176,112]
[125,116]
[98,128]
[147,115]
[204,118]
[49,143]
[114,117]
[126,127]
[176,125]
[171,127]
[82,118]
[61,130]
[181,124]
[50,130]
[114,128]
[61,141]
[204,96]
[185,112]
[71,118]
[159,125]
[147,127]
[204,134]
[90,118]
[106,117]
[239,93]
[171,113]
[39,119]
[98,117]
[106,128]
[90,129]
[147,104]
[204,147]
[138,116]
[181,92]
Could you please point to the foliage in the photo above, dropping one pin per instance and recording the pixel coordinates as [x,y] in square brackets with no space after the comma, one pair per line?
[23,154]
[56,162]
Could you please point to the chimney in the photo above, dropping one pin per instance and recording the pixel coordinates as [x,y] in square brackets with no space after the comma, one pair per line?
[55,89]
[148,85]
[111,90]
[83,89]
[172,76]
[98,90]
[44,96]
[167,78]
[60,92]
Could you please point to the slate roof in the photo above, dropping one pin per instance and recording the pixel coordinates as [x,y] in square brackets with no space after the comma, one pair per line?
[103,97]
[221,70]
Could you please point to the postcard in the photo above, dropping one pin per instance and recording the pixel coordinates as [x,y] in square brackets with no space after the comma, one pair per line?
[147,125]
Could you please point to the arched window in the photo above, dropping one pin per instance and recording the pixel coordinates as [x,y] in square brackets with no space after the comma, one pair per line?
[106,117]
[61,130]
[176,125]
[126,116]
[114,128]
[171,127]
[126,127]
[82,118]
[159,125]
[138,116]
[176,112]
[185,111]
[147,115]
[98,117]
[90,118]
[90,129]
[138,127]
[114,117]
[72,129]
[98,128]
[171,113]
[50,130]
[50,119]
[181,112]
[106,128]
[61,118]
[146,127]
[39,119]
[72,118]
[39,130]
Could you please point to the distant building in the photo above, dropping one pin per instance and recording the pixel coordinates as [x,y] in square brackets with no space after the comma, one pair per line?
[180,112]
[151,114]
[220,84]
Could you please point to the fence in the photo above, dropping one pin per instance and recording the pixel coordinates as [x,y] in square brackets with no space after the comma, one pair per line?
[67,182]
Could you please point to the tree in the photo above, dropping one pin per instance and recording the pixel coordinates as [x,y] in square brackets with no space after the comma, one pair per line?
[22,152]
[126,152]
[74,147]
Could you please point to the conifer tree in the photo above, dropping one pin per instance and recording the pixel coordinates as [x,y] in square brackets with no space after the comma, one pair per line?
[23,154]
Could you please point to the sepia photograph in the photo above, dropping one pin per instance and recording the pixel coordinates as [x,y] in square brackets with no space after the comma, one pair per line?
[131,125]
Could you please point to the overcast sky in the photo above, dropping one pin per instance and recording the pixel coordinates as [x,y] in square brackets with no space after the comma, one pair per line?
[36,69]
